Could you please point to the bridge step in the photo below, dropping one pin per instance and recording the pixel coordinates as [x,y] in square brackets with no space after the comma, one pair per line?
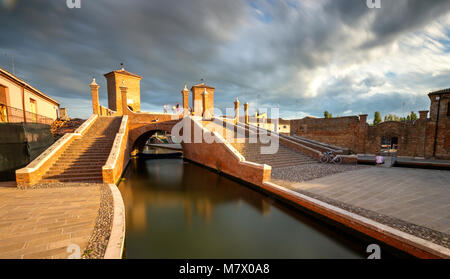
[87,156]
[81,172]
[79,179]
[84,158]
[72,175]
[78,164]
[283,157]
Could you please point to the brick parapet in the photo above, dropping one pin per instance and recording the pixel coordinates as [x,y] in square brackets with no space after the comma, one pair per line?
[223,157]
[119,155]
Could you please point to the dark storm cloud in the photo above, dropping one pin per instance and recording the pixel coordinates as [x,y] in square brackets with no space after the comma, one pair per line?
[256,55]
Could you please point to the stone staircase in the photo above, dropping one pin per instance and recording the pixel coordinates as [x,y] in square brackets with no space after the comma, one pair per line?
[84,158]
[283,157]
[253,152]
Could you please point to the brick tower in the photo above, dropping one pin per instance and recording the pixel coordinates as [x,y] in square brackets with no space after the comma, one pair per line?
[203,100]
[133,83]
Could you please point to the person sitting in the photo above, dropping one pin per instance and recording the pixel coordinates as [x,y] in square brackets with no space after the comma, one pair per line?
[379,159]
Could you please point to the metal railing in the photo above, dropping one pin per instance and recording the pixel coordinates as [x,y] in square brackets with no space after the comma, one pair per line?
[14,115]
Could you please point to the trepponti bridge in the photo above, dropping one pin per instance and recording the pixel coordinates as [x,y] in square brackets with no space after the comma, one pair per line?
[100,149]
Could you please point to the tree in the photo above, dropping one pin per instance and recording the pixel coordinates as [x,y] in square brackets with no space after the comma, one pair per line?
[377,118]
[326,114]
[391,117]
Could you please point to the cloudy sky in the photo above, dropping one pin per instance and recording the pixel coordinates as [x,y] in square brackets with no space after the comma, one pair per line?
[305,56]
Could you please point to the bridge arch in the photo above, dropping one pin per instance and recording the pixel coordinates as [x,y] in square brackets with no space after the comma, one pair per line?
[139,135]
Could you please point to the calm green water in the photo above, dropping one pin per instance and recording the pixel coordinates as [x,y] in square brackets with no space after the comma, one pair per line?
[176,209]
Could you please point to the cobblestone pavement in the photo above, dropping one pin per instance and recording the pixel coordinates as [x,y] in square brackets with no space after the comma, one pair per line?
[416,196]
[43,222]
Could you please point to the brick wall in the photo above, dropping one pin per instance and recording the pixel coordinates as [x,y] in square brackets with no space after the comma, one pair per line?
[415,138]
[341,131]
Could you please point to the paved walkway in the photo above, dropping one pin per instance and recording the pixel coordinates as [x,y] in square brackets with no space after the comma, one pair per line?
[42,223]
[417,196]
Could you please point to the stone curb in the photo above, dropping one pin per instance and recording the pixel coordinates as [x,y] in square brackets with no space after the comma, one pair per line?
[116,241]
[409,243]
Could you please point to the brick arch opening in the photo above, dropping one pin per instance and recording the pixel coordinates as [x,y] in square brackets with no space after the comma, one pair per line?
[139,136]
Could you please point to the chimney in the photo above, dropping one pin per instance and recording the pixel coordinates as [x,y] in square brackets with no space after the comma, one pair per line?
[363,118]
[423,114]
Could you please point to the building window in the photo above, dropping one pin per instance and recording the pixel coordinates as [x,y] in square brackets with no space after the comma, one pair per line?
[389,144]
[33,110]
[3,104]
[3,113]
[448,109]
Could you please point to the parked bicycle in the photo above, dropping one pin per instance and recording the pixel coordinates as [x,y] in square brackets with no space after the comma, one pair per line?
[330,157]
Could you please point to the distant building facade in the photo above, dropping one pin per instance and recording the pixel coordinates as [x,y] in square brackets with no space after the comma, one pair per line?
[282,126]
[21,102]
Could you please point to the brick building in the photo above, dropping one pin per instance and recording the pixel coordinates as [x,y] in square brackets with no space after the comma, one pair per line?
[425,137]
[117,78]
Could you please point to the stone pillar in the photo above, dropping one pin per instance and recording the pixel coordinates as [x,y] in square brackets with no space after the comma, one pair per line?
[362,134]
[94,91]
[63,114]
[236,110]
[185,96]
[123,91]
[246,112]
[423,114]
[363,118]
[421,127]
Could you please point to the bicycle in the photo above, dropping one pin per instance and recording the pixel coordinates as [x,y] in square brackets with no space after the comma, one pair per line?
[330,157]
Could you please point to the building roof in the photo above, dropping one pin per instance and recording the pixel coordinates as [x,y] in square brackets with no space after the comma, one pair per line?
[439,92]
[252,119]
[123,72]
[15,79]
[202,85]
[284,121]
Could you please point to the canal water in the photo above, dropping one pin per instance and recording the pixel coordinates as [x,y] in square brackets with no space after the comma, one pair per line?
[178,209]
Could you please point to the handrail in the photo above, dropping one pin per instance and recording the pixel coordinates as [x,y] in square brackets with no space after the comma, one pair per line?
[86,124]
[318,143]
[296,139]
[10,114]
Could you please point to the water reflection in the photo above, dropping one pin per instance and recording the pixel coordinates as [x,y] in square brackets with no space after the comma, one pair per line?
[176,209]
